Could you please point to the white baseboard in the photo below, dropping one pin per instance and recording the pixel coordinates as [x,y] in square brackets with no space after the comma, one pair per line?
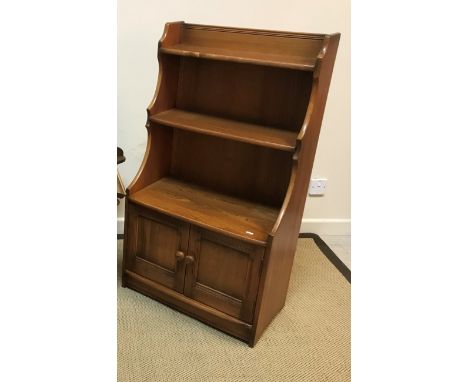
[318,226]
[327,226]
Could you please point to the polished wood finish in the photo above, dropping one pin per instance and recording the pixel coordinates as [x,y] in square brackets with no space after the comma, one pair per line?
[188,202]
[225,128]
[213,214]
[224,273]
[157,246]
[261,95]
[240,56]
[205,313]
[275,280]
[232,168]
[268,48]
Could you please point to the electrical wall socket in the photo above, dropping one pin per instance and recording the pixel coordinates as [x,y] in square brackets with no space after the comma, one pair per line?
[317,186]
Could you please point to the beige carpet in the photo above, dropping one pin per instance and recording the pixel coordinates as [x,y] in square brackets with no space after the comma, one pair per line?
[309,340]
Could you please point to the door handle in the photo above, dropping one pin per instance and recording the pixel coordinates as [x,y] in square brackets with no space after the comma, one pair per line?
[189,259]
[179,256]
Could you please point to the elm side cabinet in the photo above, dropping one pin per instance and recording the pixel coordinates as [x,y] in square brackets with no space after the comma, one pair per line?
[213,215]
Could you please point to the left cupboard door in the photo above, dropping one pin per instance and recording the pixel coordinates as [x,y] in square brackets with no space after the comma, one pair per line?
[156,246]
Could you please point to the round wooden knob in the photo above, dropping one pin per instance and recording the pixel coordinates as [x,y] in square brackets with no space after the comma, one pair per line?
[189,259]
[179,255]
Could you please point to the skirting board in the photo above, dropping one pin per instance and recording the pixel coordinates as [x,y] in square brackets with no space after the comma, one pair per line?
[318,226]
[327,226]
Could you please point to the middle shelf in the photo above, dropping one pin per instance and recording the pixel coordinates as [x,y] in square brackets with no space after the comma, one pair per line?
[235,217]
[226,128]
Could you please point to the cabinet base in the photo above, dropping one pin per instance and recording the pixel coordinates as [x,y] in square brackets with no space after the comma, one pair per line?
[183,304]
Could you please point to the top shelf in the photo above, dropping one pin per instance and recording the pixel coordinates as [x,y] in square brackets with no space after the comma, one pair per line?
[242,56]
[298,51]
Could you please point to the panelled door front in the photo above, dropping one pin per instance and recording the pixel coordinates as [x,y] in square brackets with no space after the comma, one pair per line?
[157,246]
[223,273]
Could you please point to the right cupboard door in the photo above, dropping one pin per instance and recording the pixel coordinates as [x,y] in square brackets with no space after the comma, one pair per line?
[223,273]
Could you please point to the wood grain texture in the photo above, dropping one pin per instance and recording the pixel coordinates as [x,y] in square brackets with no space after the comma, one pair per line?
[229,129]
[283,240]
[281,49]
[234,217]
[189,306]
[260,95]
[232,133]
[225,273]
[213,53]
[153,247]
[156,161]
[245,171]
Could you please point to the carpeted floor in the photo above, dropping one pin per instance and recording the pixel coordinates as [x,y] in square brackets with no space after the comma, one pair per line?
[309,340]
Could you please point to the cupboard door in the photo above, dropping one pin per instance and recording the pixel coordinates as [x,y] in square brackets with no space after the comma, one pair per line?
[223,273]
[157,245]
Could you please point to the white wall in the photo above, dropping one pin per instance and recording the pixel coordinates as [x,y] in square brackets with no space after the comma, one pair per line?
[140,25]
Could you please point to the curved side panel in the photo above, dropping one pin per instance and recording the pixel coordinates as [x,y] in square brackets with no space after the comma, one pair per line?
[168,67]
[156,161]
[154,164]
[308,136]
[283,238]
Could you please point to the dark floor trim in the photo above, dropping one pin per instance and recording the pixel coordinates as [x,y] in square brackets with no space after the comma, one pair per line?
[327,251]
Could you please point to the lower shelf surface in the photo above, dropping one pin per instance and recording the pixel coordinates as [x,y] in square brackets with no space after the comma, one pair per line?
[231,216]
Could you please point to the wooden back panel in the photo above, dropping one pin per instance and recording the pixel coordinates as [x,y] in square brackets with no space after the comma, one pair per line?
[262,95]
[234,168]
[302,45]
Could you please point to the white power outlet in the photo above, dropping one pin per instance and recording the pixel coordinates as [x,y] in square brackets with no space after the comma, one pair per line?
[317,186]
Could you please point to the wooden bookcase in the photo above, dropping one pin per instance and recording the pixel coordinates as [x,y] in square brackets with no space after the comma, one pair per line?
[213,215]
